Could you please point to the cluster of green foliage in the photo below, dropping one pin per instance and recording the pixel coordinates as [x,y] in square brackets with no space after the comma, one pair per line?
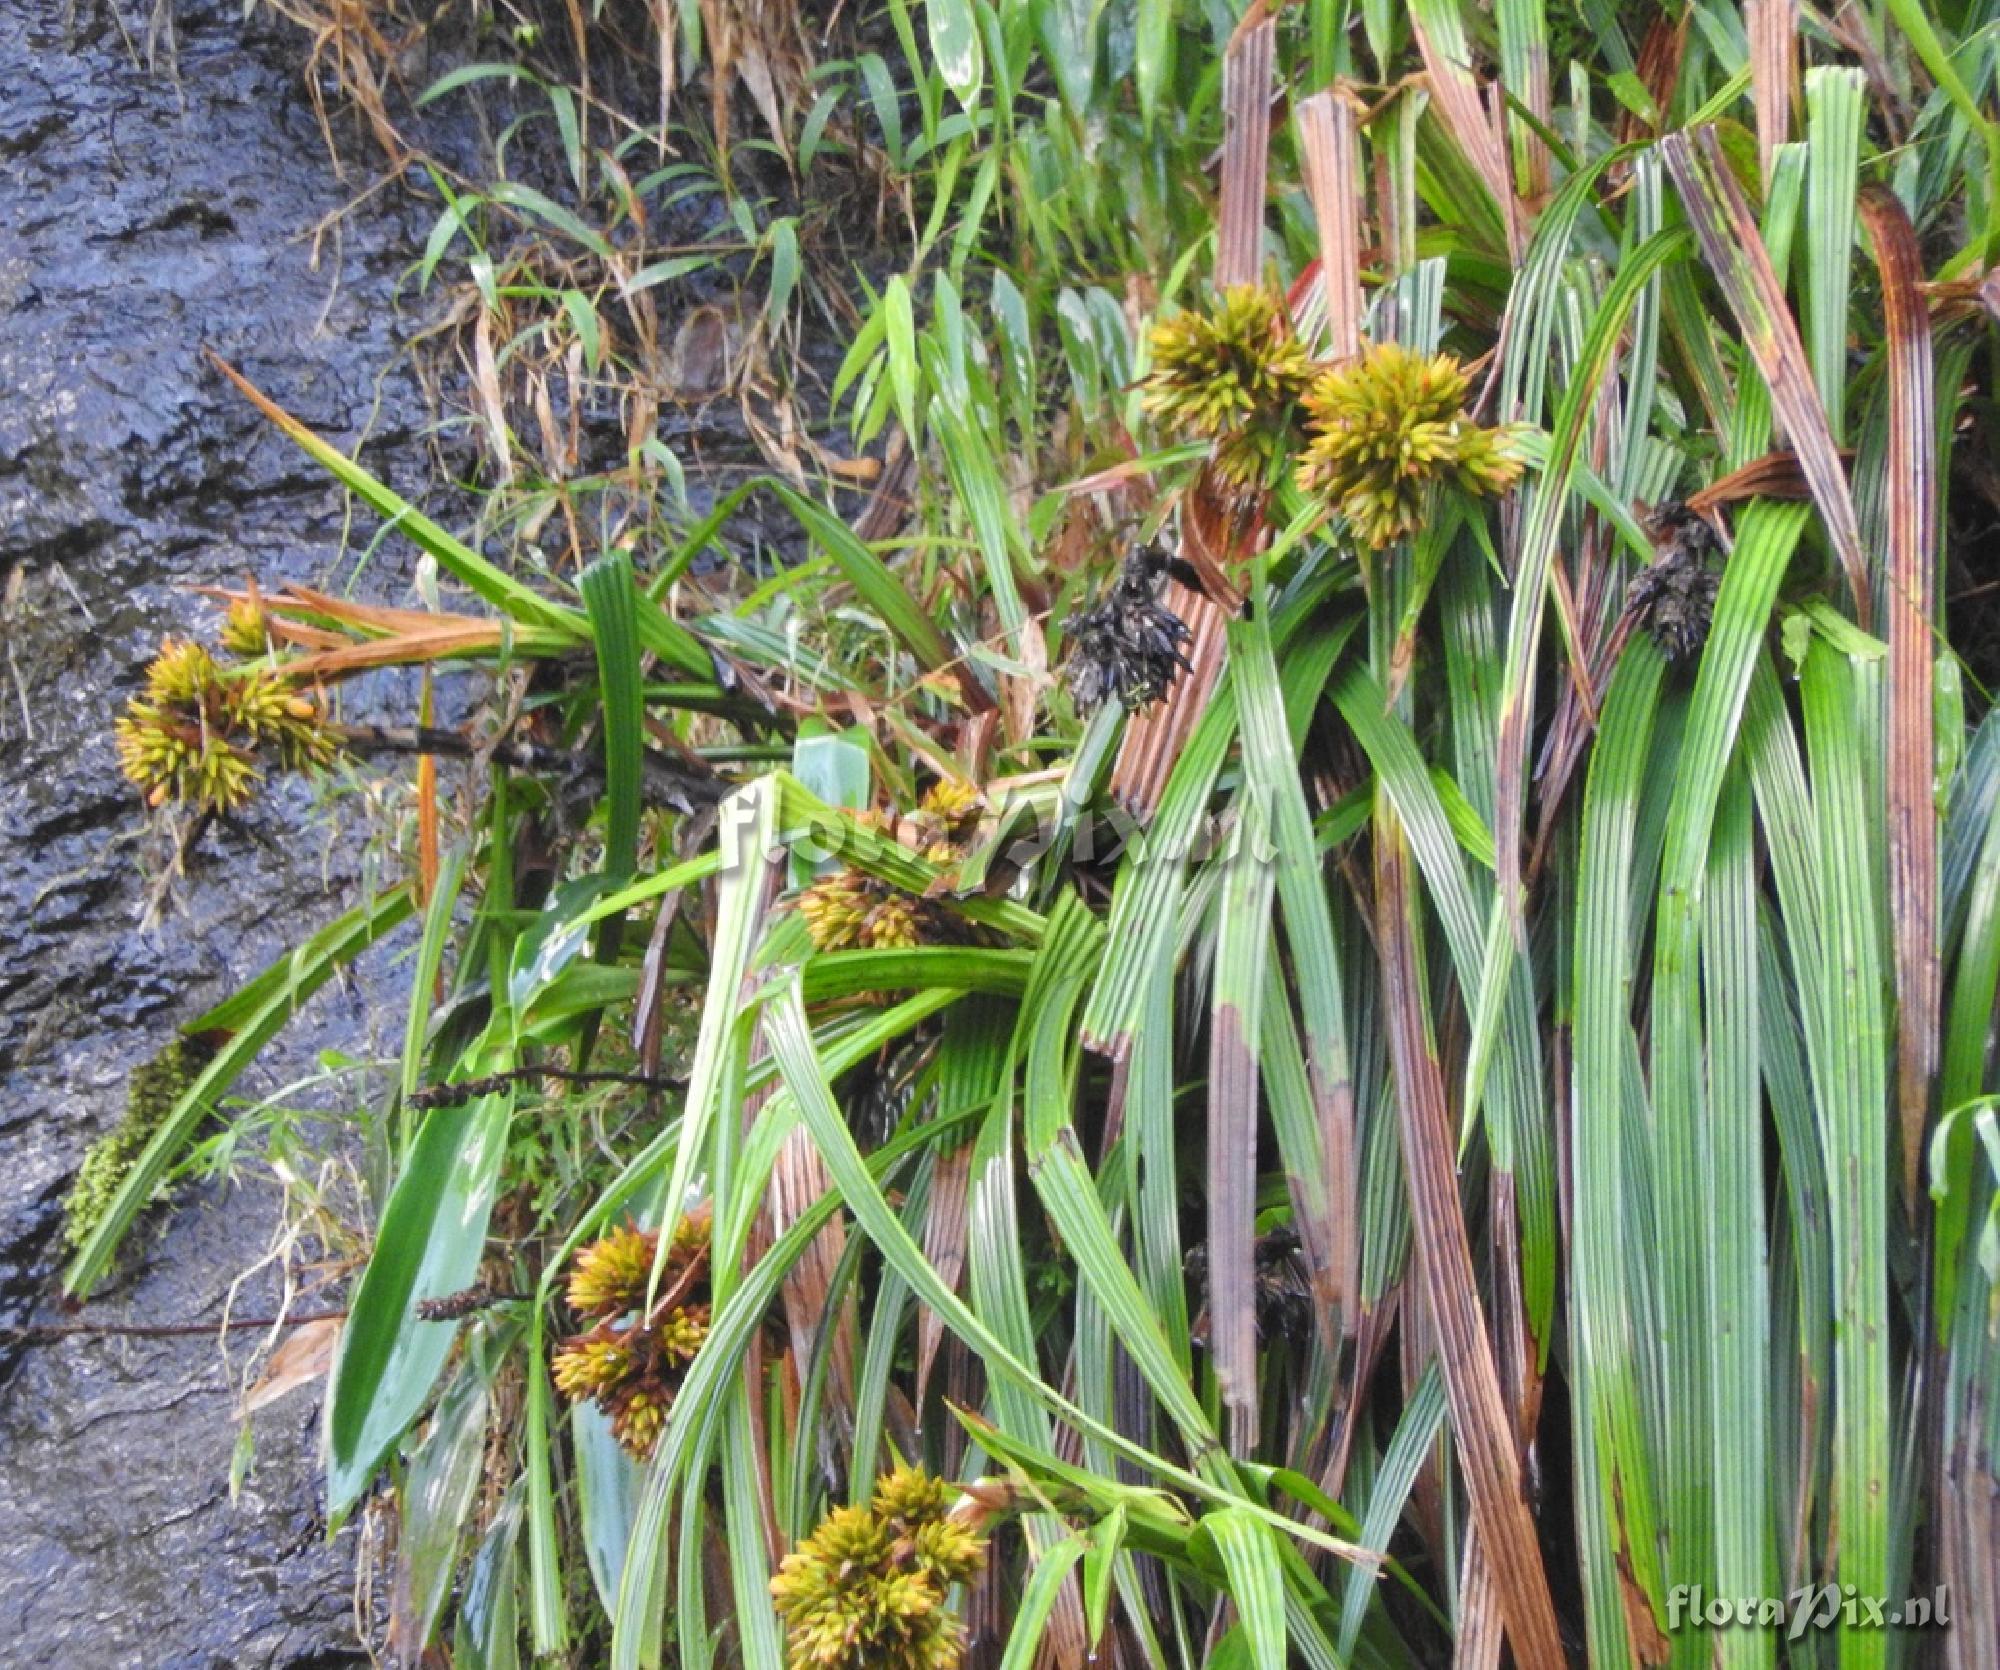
[1507,1143]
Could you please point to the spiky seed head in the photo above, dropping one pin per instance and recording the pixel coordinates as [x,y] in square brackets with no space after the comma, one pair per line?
[638,1416]
[850,911]
[835,909]
[171,756]
[608,1276]
[267,709]
[951,803]
[949,1550]
[1384,428]
[909,1496]
[868,1587]
[592,1366]
[1217,372]
[245,628]
[182,674]
[681,1334]
[894,924]
[196,733]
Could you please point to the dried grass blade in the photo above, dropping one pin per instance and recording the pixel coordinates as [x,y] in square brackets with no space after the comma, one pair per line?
[1246,150]
[1911,499]
[1735,253]
[1154,739]
[944,1246]
[1482,1429]
[1327,146]
[1480,1635]
[1773,27]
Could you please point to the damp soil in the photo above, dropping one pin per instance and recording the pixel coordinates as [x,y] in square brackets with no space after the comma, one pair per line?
[159,204]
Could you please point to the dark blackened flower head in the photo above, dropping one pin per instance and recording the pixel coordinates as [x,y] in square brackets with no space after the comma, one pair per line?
[1282,1287]
[1128,644]
[1673,599]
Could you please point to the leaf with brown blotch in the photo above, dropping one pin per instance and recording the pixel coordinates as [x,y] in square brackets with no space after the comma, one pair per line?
[1735,253]
[1233,1102]
[945,1227]
[1910,501]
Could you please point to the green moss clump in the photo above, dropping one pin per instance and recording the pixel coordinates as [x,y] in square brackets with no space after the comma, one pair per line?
[150,1094]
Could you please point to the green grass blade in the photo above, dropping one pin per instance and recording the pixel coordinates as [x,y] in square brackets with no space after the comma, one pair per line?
[1850,1080]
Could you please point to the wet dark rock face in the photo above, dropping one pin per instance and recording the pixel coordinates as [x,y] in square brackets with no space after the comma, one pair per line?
[148,215]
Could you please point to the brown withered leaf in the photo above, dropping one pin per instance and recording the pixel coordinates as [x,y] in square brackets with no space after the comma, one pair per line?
[302,1357]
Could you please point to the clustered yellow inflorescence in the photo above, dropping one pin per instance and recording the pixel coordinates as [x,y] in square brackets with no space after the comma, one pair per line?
[1231,375]
[1384,428]
[851,910]
[631,1363]
[198,732]
[1369,437]
[867,1590]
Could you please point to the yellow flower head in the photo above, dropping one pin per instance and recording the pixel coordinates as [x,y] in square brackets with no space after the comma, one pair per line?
[591,1367]
[638,1416]
[609,1276]
[245,629]
[867,1590]
[950,805]
[835,909]
[196,734]
[850,911]
[630,1364]
[909,1497]
[1387,426]
[1222,372]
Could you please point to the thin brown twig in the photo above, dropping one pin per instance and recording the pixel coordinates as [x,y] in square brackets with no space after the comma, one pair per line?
[35,1333]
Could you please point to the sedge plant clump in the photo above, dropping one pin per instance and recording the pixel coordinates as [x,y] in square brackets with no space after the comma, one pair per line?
[867,1590]
[1387,427]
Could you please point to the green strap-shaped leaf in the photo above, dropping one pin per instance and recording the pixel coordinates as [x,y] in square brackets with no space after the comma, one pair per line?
[611,596]
[431,1239]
